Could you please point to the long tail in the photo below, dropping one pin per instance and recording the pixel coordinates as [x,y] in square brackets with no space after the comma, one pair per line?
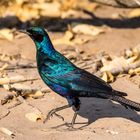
[125,102]
[115,96]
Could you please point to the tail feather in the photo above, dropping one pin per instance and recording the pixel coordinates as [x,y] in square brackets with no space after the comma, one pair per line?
[125,102]
[119,93]
[115,96]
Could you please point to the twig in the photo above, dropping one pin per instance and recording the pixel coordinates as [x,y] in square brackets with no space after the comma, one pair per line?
[15,79]
[6,131]
[20,67]
[15,105]
[4,115]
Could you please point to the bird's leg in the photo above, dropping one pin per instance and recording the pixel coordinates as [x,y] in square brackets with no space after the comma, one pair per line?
[53,112]
[74,118]
[70,125]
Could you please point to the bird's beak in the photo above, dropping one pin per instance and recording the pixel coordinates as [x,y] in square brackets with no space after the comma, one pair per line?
[25,32]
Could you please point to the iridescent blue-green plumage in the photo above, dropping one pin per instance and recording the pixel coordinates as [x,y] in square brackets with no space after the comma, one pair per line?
[66,79]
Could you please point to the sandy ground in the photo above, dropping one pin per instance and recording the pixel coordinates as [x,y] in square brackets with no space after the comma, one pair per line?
[107,119]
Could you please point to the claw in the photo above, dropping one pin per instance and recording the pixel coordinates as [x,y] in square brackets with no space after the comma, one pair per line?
[70,127]
[50,114]
[53,112]
[59,116]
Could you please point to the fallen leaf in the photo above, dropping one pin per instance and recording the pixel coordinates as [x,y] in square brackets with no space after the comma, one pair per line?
[14,79]
[115,66]
[80,41]
[112,132]
[6,86]
[108,77]
[6,34]
[4,113]
[36,94]
[134,13]
[23,13]
[20,2]
[4,67]
[120,65]
[34,116]
[87,29]
[78,4]
[4,57]
[70,39]
[134,71]
[6,98]
[48,9]
[68,13]
[7,132]
[68,4]
[87,5]
[66,39]
[128,53]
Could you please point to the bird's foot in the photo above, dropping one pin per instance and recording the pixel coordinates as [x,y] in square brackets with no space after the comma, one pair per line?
[53,112]
[59,116]
[50,114]
[71,127]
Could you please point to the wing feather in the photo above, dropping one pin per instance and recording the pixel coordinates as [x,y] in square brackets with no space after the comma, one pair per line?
[81,80]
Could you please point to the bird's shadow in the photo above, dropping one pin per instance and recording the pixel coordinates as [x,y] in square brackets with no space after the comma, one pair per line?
[94,109]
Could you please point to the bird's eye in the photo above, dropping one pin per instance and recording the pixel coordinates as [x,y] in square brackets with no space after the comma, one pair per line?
[38,37]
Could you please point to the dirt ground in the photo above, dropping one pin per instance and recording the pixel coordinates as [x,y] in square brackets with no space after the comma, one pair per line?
[107,119]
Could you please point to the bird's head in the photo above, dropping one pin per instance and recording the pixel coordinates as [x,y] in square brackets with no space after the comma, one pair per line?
[40,37]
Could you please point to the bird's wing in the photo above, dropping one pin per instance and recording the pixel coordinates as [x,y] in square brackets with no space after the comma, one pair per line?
[80,80]
[89,82]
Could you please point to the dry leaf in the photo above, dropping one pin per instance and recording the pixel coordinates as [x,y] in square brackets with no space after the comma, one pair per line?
[66,39]
[80,41]
[20,2]
[26,10]
[69,39]
[26,91]
[27,88]
[128,53]
[7,132]
[4,57]
[115,66]
[108,77]
[134,71]
[4,67]
[48,9]
[134,13]
[120,65]
[36,95]
[6,34]
[19,87]
[34,116]
[4,113]
[7,98]
[112,132]
[129,63]
[27,13]
[6,86]
[68,4]
[69,13]
[87,5]
[87,29]
[14,79]
[7,80]
[78,4]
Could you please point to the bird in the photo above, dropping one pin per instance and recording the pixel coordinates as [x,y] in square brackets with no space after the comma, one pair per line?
[68,80]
